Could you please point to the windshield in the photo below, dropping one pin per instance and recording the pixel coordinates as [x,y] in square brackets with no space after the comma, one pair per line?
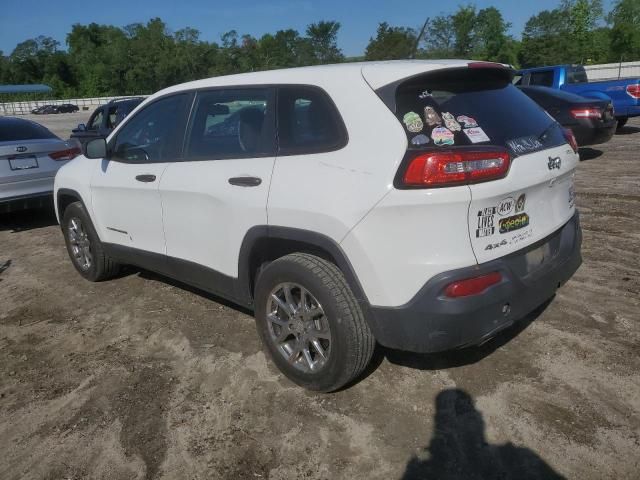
[463,107]
[18,129]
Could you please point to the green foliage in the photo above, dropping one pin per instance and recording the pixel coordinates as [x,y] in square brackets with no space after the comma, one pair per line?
[391,43]
[143,58]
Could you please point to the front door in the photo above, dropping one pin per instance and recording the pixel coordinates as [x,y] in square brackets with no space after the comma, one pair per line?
[124,190]
[219,191]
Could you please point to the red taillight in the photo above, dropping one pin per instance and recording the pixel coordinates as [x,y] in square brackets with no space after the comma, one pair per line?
[68,154]
[472,286]
[571,139]
[586,113]
[633,90]
[439,169]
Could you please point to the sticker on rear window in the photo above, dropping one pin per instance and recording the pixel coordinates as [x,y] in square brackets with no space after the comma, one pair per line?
[421,139]
[520,203]
[524,145]
[467,122]
[442,136]
[450,122]
[413,122]
[476,135]
[431,117]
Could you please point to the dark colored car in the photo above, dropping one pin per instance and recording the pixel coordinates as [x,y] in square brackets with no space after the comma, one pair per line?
[46,110]
[105,118]
[592,121]
[68,108]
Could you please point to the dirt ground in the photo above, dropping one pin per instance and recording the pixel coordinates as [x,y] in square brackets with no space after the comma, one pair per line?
[140,377]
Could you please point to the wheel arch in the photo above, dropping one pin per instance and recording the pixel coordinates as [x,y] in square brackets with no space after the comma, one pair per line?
[263,244]
[64,198]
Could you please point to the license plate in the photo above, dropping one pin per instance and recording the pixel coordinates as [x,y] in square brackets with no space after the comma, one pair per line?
[23,163]
[535,258]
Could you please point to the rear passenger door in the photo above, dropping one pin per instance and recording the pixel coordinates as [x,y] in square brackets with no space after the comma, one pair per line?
[219,190]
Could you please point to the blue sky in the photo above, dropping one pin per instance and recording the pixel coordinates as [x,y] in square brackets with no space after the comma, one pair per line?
[22,19]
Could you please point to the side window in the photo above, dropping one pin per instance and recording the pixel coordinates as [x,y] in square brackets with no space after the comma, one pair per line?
[154,134]
[308,121]
[543,78]
[231,123]
[95,121]
[111,117]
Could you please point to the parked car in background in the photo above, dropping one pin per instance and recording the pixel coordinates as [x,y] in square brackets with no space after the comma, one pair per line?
[592,121]
[423,205]
[68,108]
[30,156]
[105,118]
[623,93]
[46,110]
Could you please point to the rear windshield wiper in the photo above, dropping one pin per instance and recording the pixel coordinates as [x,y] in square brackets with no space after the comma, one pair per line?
[546,131]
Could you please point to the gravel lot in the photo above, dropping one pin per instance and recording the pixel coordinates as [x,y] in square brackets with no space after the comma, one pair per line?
[140,377]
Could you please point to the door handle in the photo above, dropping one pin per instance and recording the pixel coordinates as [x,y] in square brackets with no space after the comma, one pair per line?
[245,181]
[146,178]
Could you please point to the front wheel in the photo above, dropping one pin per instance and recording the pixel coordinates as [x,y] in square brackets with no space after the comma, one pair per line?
[84,247]
[311,323]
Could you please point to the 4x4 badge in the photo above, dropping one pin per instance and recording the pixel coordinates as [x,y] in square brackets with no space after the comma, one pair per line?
[554,162]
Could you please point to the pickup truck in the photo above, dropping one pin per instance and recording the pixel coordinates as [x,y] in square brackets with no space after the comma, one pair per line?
[105,118]
[624,93]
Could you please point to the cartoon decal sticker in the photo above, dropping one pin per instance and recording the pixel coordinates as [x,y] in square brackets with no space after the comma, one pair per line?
[413,122]
[506,206]
[520,203]
[450,122]
[476,135]
[442,136]
[421,139]
[431,117]
[467,122]
[513,223]
[523,145]
[486,225]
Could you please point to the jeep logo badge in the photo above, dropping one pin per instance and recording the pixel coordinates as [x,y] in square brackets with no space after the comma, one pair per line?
[21,149]
[554,163]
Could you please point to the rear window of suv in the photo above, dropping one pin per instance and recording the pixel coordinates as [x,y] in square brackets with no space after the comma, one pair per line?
[480,107]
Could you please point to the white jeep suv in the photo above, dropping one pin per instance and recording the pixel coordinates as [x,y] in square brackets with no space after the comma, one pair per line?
[422,205]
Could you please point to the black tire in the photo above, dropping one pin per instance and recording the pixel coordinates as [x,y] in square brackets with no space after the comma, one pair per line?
[622,122]
[101,267]
[352,342]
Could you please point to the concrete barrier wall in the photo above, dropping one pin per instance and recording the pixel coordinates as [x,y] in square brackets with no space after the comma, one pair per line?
[610,71]
[23,108]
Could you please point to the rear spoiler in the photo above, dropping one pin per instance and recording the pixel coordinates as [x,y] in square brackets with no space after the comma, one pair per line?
[387,93]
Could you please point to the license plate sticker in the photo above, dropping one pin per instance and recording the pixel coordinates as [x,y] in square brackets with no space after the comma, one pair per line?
[23,163]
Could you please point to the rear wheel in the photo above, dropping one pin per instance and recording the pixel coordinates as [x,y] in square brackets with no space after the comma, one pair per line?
[311,322]
[84,247]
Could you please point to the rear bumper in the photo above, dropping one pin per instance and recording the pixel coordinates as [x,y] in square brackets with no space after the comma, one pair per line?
[594,135]
[431,322]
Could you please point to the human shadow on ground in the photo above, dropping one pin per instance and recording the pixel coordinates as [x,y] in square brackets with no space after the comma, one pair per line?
[459,449]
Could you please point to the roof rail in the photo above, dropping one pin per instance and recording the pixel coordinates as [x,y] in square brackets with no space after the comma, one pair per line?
[124,99]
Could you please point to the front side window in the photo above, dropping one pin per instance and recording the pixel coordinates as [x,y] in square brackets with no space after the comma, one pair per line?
[154,134]
[308,121]
[96,121]
[231,123]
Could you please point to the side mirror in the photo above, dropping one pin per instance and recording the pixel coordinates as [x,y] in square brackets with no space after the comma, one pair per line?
[82,127]
[96,148]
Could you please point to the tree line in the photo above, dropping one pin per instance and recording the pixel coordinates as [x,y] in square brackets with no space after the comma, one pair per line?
[143,58]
